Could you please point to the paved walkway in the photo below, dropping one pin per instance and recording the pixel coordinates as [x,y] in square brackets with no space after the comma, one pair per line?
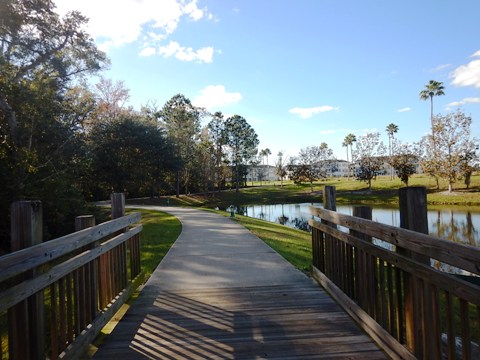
[222,293]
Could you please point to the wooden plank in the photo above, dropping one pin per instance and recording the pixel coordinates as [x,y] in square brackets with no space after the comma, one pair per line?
[465,330]
[459,255]
[77,348]
[450,322]
[26,330]
[286,321]
[376,332]
[27,259]
[53,322]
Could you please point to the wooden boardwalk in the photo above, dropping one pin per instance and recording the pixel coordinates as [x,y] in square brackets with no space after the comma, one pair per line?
[221,293]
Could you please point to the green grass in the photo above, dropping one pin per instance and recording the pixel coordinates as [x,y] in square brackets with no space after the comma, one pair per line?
[294,245]
[160,230]
[384,191]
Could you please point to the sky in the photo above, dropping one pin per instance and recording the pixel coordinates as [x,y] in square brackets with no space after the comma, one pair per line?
[301,72]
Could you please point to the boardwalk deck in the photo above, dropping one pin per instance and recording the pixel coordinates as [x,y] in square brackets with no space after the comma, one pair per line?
[222,293]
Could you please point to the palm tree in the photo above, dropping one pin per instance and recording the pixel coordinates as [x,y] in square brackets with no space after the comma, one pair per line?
[264,153]
[433,88]
[348,141]
[344,144]
[391,130]
[267,152]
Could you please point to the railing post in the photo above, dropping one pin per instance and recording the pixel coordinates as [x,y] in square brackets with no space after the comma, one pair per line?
[118,205]
[413,216]
[330,198]
[364,289]
[26,319]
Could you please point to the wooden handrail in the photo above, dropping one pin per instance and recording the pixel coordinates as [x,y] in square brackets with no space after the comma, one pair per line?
[459,255]
[396,294]
[60,294]
[22,291]
[32,257]
[451,283]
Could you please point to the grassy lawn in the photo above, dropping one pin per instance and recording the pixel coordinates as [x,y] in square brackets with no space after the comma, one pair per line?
[160,230]
[384,191]
[294,245]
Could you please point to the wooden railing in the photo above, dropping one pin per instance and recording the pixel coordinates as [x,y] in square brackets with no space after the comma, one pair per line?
[56,296]
[396,290]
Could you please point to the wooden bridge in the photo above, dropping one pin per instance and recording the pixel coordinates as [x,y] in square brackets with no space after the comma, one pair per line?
[222,293]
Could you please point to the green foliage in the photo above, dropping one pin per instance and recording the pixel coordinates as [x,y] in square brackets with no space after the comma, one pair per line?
[130,155]
[404,160]
[450,151]
[160,230]
[182,122]
[369,156]
[242,142]
[311,164]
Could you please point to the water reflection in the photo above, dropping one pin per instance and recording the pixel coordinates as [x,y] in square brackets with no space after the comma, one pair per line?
[456,225]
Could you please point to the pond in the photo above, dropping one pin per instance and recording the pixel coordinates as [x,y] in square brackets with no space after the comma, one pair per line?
[457,225]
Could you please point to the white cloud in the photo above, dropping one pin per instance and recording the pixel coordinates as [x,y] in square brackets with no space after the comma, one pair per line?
[186,53]
[148,51]
[440,67]
[215,96]
[469,100]
[306,113]
[119,22]
[404,110]
[468,75]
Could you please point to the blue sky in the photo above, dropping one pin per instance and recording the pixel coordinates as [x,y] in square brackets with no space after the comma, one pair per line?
[300,72]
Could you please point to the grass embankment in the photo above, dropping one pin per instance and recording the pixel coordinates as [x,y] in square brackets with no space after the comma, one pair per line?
[295,245]
[160,230]
[349,191]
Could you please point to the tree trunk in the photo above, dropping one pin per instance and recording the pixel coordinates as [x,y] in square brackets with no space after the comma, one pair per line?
[237,180]
[178,184]
[11,118]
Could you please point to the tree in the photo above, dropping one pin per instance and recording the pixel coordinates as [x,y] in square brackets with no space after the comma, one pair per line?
[216,128]
[469,163]
[280,167]
[453,145]
[41,146]
[391,130]
[348,141]
[311,164]
[369,156]
[404,160]
[111,98]
[182,122]
[264,153]
[242,142]
[129,155]
[35,42]
[432,89]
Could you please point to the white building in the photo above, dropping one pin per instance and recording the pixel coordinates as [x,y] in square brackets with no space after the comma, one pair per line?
[262,173]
